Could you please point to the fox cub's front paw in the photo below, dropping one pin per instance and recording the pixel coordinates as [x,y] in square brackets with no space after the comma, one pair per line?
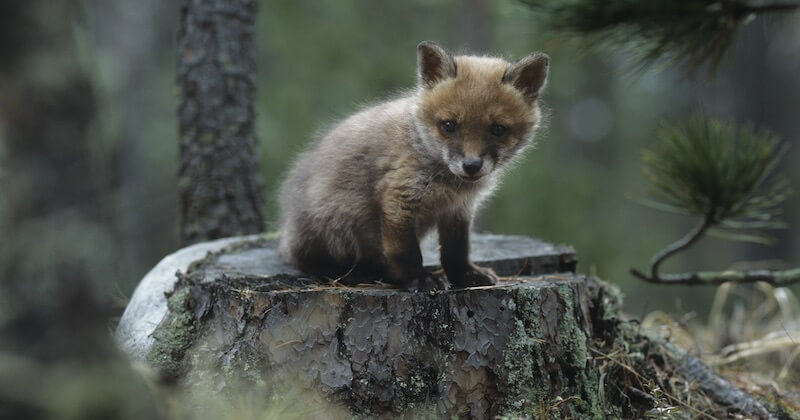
[426,281]
[475,276]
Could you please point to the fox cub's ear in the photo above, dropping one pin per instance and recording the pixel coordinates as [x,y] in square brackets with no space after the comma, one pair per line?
[434,63]
[529,75]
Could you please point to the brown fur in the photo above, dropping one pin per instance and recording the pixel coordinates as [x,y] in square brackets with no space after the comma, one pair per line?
[361,198]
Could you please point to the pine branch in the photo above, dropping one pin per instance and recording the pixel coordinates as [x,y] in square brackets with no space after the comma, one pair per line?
[710,278]
[769,8]
[725,175]
[682,244]
[720,172]
[777,278]
[695,31]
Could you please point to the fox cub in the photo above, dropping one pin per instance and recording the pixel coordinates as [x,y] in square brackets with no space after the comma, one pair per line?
[361,198]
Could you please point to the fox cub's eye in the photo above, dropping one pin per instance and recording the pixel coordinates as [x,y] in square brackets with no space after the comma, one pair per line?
[448,126]
[498,130]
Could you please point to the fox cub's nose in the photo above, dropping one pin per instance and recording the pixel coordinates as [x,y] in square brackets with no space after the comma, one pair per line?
[472,166]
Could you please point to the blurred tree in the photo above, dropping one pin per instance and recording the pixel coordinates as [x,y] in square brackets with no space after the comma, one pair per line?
[57,359]
[219,180]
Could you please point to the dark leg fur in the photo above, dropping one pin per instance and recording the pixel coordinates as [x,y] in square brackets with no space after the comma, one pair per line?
[404,259]
[454,243]
[316,260]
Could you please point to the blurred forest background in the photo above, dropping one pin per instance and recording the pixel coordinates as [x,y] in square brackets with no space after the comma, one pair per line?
[88,137]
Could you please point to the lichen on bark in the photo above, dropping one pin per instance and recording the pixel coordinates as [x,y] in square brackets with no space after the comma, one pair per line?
[545,367]
[174,335]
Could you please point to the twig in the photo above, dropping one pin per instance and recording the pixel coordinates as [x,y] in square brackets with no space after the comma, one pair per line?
[735,352]
[681,244]
[777,278]
[764,8]
[789,361]
[343,276]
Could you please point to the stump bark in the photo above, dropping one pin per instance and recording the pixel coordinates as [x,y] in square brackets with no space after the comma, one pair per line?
[238,319]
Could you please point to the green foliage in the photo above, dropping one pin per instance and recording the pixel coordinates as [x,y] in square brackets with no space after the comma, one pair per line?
[720,172]
[663,409]
[698,31]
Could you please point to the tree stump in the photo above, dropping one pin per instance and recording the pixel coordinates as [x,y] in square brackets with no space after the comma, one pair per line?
[237,318]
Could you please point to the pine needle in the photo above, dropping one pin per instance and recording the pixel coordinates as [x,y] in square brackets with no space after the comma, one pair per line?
[697,32]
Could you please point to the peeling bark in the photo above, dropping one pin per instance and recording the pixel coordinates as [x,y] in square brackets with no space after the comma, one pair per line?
[381,351]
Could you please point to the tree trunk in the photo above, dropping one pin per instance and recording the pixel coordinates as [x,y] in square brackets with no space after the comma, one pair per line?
[543,343]
[381,351]
[219,180]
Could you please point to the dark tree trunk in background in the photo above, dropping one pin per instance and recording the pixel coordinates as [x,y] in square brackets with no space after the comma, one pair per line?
[219,182]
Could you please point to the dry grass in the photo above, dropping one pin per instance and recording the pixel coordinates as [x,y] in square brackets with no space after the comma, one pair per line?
[751,336]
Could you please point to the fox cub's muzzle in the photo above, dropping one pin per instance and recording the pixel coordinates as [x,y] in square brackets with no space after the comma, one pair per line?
[470,168]
[472,165]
